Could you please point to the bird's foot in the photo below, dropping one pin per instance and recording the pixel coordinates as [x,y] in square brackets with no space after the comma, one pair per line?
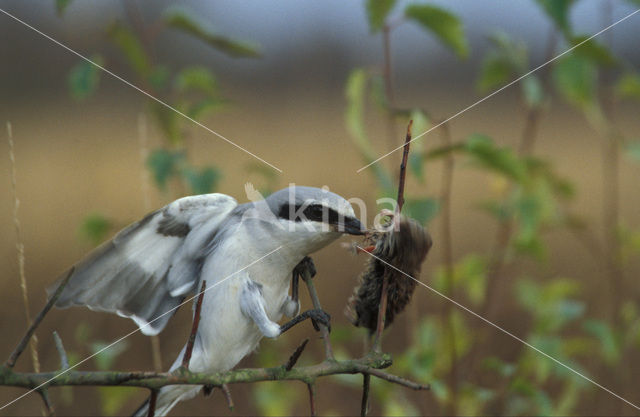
[317,317]
[305,265]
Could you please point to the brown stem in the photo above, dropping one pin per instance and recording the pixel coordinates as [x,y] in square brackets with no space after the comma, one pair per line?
[25,339]
[403,167]
[312,399]
[227,395]
[153,399]
[194,328]
[364,406]
[306,276]
[48,406]
[382,310]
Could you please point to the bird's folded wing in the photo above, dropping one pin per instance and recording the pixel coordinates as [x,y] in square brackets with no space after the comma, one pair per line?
[146,270]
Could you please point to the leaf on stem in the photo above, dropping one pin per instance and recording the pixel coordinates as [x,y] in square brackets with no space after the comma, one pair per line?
[183,21]
[131,47]
[377,11]
[84,78]
[445,25]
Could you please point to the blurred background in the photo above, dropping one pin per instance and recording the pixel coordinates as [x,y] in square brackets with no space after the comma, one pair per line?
[531,196]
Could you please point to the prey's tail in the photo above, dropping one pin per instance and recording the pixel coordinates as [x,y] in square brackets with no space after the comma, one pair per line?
[168,397]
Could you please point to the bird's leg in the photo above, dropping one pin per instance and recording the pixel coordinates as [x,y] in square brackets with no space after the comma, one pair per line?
[316,316]
[291,306]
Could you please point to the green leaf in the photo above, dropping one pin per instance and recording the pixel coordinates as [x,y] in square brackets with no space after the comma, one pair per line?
[442,23]
[61,6]
[501,160]
[558,11]
[377,11]
[633,150]
[185,22]
[131,47]
[159,77]
[202,181]
[575,78]
[95,228]
[505,61]
[606,339]
[628,86]
[107,357]
[196,79]
[164,164]
[354,114]
[84,78]
[169,122]
[593,51]
[532,91]
[421,123]
[423,210]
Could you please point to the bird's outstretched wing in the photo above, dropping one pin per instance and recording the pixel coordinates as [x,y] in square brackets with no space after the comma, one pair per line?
[147,268]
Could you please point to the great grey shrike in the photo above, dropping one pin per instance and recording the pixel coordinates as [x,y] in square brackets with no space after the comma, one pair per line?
[151,266]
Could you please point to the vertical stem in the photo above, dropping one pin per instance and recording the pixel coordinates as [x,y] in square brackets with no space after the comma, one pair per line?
[20,250]
[152,403]
[447,260]
[403,168]
[312,399]
[306,276]
[364,406]
[194,328]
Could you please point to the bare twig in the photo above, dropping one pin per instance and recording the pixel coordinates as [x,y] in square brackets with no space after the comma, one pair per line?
[403,167]
[227,395]
[64,361]
[20,248]
[312,399]
[194,328]
[153,399]
[27,336]
[293,359]
[48,406]
[382,308]
[364,405]
[306,276]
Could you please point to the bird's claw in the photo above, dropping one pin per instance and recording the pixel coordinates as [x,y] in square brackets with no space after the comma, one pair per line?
[321,317]
[305,265]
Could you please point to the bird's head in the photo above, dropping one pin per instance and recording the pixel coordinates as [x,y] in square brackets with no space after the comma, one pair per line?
[313,214]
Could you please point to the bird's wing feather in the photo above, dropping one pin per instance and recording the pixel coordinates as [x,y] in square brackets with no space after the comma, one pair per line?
[147,268]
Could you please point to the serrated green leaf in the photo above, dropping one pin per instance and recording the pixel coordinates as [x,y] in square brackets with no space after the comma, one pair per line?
[558,11]
[423,210]
[593,51]
[628,86]
[164,164]
[442,23]
[95,228]
[131,47]
[84,78]
[202,181]
[184,21]
[377,11]
[61,6]
[575,78]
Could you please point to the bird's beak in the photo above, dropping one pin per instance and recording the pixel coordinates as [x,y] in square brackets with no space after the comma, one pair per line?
[353,226]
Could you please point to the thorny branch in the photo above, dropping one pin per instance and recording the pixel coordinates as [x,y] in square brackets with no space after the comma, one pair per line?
[371,364]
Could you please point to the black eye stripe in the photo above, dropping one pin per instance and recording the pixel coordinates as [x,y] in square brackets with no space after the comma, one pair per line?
[313,212]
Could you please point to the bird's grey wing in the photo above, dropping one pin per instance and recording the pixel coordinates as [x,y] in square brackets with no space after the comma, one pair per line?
[146,270]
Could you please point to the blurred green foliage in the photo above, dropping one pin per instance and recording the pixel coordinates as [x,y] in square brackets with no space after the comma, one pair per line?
[527,198]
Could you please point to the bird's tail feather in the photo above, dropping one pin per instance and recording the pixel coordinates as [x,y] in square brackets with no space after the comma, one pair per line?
[168,397]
